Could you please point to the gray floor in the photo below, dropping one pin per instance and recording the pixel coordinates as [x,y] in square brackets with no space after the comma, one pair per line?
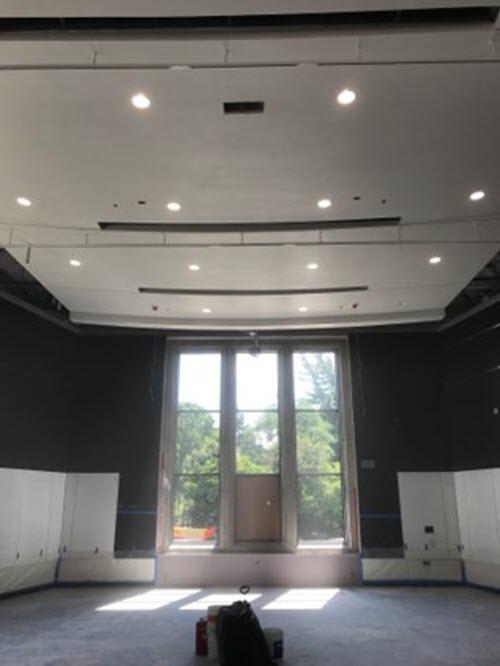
[362,626]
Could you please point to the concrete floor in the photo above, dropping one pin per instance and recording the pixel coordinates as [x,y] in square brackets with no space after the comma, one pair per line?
[355,626]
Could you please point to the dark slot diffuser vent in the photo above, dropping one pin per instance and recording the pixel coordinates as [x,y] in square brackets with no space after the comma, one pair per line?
[250,292]
[231,108]
[438,16]
[249,227]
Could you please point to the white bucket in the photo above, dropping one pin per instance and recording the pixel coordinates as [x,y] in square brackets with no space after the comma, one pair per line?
[274,638]
[212,613]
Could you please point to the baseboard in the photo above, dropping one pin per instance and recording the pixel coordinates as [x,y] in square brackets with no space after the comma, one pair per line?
[101,569]
[405,570]
[482,574]
[31,576]
[266,569]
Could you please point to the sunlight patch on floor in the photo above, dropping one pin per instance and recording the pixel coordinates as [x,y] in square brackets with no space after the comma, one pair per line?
[147,601]
[303,599]
[219,600]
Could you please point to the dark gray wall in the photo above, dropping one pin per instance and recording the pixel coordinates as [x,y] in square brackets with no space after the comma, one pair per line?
[85,404]
[471,356]
[116,426]
[35,391]
[399,420]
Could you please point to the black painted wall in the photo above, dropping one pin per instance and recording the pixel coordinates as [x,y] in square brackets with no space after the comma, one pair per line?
[84,404]
[35,391]
[116,426]
[471,354]
[399,420]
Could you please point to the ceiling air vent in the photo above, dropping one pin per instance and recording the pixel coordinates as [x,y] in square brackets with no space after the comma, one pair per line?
[243,107]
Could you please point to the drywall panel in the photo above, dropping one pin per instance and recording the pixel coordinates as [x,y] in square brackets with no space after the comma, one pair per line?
[482,513]
[451,514]
[106,569]
[437,570]
[92,515]
[271,569]
[463,513]
[9,511]
[69,507]
[482,573]
[56,509]
[381,570]
[423,515]
[26,576]
[34,515]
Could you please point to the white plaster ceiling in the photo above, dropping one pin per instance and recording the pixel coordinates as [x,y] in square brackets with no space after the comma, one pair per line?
[419,136]
[92,8]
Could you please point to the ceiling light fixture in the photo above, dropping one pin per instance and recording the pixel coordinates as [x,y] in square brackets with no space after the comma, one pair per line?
[206,310]
[23,201]
[194,267]
[75,262]
[346,97]
[324,203]
[477,196]
[174,206]
[141,101]
[303,309]
[435,260]
[312,266]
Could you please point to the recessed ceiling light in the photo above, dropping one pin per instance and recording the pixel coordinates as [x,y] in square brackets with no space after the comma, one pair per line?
[312,266]
[477,196]
[141,101]
[194,267]
[173,206]
[75,262]
[435,260]
[23,201]
[206,310]
[346,96]
[303,309]
[324,203]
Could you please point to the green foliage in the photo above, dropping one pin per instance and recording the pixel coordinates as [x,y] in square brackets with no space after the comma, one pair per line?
[320,509]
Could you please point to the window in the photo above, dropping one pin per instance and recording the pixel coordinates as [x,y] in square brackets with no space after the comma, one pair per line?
[258,448]
[257,440]
[196,483]
[320,504]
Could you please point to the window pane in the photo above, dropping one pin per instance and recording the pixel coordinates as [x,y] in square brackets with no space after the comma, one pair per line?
[257,444]
[197,442]
[199,381]
[196,508]
[320,508]
[256,381]
[318,448]
[315,380]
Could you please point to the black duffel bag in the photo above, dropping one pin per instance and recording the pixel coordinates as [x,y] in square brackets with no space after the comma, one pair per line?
[240,639]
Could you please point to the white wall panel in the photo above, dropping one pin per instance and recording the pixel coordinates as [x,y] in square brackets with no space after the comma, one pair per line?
[56,508]
[463,513]
[428,518]
[34,515]
[68,510]
[482,513]
[91,513]
[9,513]
[451,514]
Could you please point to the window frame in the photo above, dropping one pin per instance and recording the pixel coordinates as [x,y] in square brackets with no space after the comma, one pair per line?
[289,475]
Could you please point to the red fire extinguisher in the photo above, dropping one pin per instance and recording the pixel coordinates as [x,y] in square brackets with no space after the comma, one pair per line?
[201,637]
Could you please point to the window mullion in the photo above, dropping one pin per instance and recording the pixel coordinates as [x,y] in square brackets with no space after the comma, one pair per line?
[227,464]
[288,445]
